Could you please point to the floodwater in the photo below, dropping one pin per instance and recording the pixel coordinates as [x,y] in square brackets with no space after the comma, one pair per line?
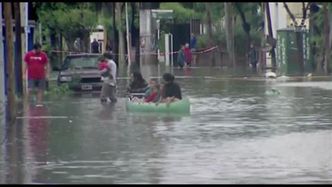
[238,132]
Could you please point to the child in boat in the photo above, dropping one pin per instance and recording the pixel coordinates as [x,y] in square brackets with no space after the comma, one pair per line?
[154,94]
[152,83]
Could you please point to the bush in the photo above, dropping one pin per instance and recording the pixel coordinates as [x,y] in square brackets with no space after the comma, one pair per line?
[219,38]
[58,91]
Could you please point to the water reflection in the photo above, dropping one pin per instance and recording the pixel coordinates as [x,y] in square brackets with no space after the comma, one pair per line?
[14,155]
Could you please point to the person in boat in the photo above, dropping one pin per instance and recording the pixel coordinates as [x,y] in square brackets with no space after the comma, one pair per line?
[154,94]
[152,83]
[138,85]
[171,91]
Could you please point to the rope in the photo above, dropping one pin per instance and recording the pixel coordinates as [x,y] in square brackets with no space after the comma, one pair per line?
[146,53]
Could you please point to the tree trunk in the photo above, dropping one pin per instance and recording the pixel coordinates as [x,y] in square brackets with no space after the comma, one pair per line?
[210,39]
[135,34]
[10,61]
[119,24]
[262,53]
[209,23]
[18,46]
[229,33]
[313,48]
[115,38]
[70,42]
[61,56]
[326,38]
[86,41]
[273,54]
[245,25]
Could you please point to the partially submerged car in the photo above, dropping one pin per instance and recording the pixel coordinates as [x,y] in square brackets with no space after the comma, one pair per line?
[81,72]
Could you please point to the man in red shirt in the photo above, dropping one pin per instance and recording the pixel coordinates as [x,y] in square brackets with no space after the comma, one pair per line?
[37,69]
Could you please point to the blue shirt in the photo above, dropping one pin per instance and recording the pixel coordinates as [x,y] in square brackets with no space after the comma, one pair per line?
[192,43]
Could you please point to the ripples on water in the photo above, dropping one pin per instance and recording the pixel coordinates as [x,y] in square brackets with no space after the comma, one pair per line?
[235,134]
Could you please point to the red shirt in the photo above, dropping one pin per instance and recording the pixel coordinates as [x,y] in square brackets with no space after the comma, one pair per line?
[153,96]
[36,64]
[187,54]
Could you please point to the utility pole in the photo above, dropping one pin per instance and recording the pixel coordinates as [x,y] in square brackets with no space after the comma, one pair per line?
[18,47]
[10,60]
[128,41]
[24,40]
[2,64]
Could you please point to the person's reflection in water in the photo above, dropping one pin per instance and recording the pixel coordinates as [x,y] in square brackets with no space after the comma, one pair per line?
[187,71]
[38,133]
[107,111]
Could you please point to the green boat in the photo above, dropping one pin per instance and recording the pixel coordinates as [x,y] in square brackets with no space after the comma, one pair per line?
[181,106]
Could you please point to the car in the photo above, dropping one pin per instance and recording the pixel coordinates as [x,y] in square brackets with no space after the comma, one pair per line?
[80,72]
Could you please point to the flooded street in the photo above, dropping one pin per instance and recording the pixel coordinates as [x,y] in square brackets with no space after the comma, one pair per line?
[238,132]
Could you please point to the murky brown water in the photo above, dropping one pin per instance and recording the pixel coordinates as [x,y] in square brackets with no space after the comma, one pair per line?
[237,133]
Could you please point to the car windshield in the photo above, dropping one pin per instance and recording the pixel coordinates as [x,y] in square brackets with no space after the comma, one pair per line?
[81,62]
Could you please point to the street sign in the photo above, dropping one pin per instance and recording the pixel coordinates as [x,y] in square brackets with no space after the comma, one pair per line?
[162,14]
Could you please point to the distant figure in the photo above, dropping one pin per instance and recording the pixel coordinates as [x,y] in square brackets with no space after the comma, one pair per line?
[180,58]
[38,72]
[77,45]
[109,47]
[192,46]
[193,42]
[253,58]
[95,46]
[187,55]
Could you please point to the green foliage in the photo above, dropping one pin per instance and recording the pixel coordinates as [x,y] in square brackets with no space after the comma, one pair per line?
[58,91]
[70,19]
[219,38]
[181,14]
[216,10]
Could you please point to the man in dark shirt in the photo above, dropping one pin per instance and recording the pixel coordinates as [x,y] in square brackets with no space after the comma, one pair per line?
[253,58]
[171,90]
[95,46]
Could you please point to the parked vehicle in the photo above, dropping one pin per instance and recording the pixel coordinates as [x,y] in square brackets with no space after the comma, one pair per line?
[80,72]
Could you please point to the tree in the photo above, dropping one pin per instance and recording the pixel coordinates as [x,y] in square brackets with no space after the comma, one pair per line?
[10,61]
[181,14]
[120,27]
[230,33]
[72,20]
[249,15]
